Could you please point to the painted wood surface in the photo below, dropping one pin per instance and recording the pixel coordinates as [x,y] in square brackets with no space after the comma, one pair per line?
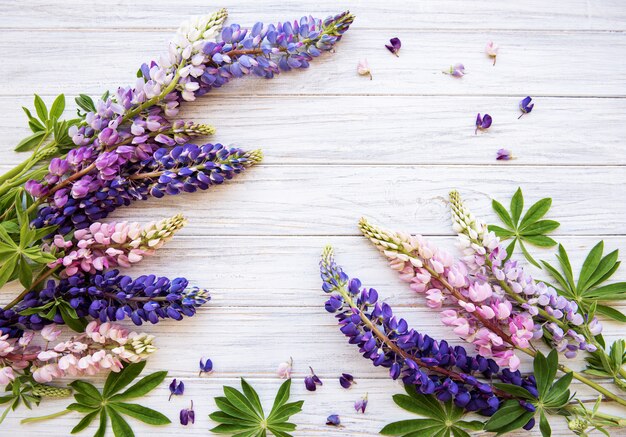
[339,146]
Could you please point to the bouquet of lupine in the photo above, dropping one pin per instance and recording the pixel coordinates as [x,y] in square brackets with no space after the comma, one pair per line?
[123,147]
[492,302]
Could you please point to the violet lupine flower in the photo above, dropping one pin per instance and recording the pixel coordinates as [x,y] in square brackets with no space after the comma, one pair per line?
[333,420]
[394,46]
[504,155]
[485,256]
[103,346]
[433,367]
[107,296]
[346,380]
[185,168]
[456,70]
[525,106]
[206,366]
[106,245]
[187,415]
[312,381]
[482,123]
[361,404]
[176,389]
[480,315]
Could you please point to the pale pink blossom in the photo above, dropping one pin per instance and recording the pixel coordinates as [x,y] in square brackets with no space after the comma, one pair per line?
[363,68]
[492,50]
[6,375]
[284,369]
[50,332]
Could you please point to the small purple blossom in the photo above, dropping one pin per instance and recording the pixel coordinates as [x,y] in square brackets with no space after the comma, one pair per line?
[333,420]
[206,365]
[456,70]
[187,415]
[525,106]
[346,380]
[176,389]
[394,46]
[361,404]
[312,381]
[482,123]
[504,155]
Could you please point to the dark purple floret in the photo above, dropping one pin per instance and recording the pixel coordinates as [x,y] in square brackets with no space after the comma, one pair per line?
[346,380]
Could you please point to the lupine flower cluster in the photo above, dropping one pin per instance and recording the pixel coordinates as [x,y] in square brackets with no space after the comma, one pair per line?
[103,346]
[486,257]
[107,296]
[481,316]
[107,245]
[434,367]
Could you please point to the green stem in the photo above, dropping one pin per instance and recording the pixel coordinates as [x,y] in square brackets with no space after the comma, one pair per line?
[38,281]
[49,416]
[26,164]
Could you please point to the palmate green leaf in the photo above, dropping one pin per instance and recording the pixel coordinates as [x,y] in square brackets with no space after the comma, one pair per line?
[439,419]
[58,106]
[121,428]
[515,390]
[41,109]
[30,142]
[544,426]
[85,422]
[530,229]
[545,370]
[509,417]
[85,103]
[86,389]
[241,413]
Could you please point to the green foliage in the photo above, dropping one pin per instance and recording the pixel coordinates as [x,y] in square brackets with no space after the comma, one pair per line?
[47,122]
[604,365]
[111,403]
[241,413]
[588,290]
[439,419]
[20,393]
[529,229]
[553,397]
[585,419]
[20,251]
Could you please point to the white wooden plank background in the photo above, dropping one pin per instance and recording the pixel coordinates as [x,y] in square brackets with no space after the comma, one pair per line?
[339,146]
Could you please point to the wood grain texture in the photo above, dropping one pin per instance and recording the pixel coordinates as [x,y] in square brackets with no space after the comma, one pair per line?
[339,146]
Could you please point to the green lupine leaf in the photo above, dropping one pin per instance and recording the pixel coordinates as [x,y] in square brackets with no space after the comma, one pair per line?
[458,432]
[517,205]
[81,408]
[590,265]
[240,401]
[540,240]
[231,428]
[509,417]
[116,381]
[559,390]
[86,389]
[501,232]
[121,428]
[502,213]
[606,265]
[241,413]
[541,227]
[515,390]
[536,212]
[607,292]
[527,255]
[429,402]
[403,427]
[544,426]
[40,108]
[283,394]
[102,429]
[473,425]
[85,103]
[85,422]
[414,406]
[30,142]
[143,387]
[139,412]
[544,371]
[58,106]
[25,273]
[252,396]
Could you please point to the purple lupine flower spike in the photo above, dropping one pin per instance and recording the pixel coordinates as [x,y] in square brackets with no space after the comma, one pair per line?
[176,389]
[109,296]
[525,106]
[394,46]
[433,367]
